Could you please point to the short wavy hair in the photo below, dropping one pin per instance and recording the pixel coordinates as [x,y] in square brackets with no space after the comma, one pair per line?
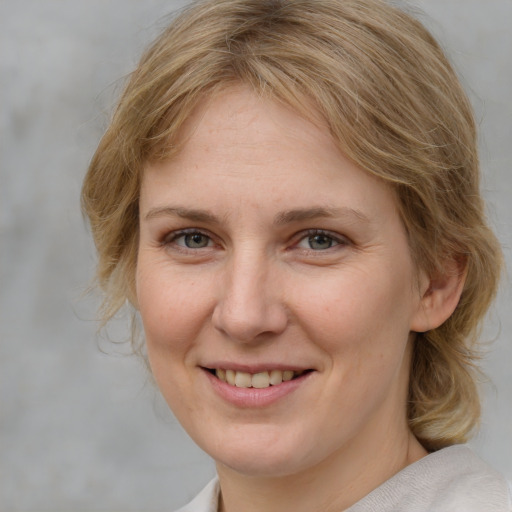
[394,106]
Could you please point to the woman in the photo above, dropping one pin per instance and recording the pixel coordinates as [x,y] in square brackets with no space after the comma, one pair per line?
[288,195]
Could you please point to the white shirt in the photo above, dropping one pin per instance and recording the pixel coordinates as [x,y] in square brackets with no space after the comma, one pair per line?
[453,479]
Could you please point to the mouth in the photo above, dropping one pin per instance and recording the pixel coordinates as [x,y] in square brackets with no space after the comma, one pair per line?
[260,380]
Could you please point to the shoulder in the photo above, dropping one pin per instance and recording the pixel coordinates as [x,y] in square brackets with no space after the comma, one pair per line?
[451,480]
[206,501]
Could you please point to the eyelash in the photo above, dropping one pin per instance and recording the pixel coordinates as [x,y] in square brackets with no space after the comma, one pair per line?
[335,240]
[172,238]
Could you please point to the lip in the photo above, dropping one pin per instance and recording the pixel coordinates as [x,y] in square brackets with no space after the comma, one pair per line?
[253,368]
[253,397]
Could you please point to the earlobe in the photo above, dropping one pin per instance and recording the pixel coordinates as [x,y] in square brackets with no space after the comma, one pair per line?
[440,295]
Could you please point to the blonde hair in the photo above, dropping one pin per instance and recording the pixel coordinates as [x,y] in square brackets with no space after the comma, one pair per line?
[395,107]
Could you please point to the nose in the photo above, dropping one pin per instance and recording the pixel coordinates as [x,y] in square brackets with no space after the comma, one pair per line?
[250,306]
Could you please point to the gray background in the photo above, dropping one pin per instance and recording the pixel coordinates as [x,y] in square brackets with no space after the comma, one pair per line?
[81,427]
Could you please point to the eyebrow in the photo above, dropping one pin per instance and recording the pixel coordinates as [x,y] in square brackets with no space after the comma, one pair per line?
[185,213]
[318,212]
[282,218]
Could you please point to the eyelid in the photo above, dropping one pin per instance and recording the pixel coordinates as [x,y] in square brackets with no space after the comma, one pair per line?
[171,237]
[336,237]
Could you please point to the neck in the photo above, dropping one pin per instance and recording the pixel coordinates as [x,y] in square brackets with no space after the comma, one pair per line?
[333,485]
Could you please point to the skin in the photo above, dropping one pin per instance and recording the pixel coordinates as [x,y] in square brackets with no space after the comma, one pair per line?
[260,288]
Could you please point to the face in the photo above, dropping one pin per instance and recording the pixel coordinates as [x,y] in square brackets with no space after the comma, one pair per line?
[276,289]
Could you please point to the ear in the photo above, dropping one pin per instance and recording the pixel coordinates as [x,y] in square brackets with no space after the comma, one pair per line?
[439,296]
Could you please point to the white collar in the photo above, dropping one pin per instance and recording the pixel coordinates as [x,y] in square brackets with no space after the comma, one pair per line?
[206,501]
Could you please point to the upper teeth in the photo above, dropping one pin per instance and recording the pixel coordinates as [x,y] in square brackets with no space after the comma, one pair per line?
[255,380]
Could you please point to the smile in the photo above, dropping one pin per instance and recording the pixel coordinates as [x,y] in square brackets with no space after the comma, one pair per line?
[260,388]
[258,380]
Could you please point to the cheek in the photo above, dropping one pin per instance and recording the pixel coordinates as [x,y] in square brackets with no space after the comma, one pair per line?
[360,322]
[348,305]
[171,307]
[362,327]
[171,310]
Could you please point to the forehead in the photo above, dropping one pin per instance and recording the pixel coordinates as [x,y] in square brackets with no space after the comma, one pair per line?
[241,117]
[238,146]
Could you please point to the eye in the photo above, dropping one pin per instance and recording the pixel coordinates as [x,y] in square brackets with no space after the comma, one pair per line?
[190,240]
[319,241]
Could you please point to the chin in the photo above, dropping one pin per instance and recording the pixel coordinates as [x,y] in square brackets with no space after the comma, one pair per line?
[264,465]
[264,455]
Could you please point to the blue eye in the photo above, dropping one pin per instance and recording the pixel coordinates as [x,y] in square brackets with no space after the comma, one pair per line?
[318,241]
[193,240]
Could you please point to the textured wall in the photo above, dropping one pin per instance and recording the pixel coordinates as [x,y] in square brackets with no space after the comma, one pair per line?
[80,429]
